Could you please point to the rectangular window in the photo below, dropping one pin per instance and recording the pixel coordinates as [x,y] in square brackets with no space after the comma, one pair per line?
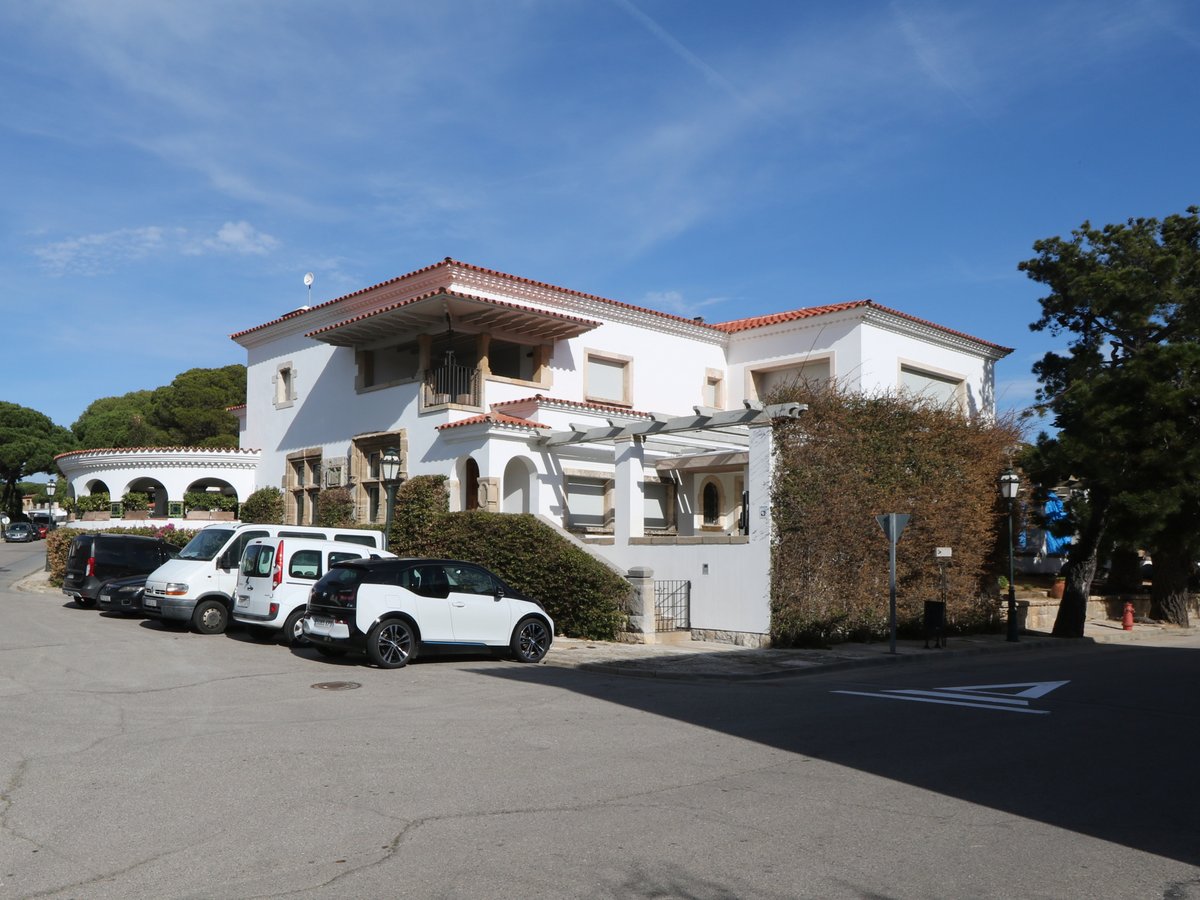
[373,502]
[586,502]
[813,374]
[944,390]
[657,505]
[607,379]
[285,385]
[714,393]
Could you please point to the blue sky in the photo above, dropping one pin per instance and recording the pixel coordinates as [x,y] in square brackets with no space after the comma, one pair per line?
[171,170]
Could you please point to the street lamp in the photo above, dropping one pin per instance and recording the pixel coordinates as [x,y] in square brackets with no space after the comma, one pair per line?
[1010,484]
[389,471]
[51,486]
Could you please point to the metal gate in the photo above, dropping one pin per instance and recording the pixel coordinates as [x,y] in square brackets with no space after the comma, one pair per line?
[672,605]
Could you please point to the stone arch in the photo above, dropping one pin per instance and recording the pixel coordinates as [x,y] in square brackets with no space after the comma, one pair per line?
[711,505]
[96,486]
[152,488]
[517,491]
[213,485]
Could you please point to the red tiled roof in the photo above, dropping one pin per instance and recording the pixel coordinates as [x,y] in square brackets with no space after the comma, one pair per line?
[442,292]
[597,407]
[449,261]
[158,450]
[493,418]
[737,325]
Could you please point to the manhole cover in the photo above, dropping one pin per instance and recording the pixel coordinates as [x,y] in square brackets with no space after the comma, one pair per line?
[337,685]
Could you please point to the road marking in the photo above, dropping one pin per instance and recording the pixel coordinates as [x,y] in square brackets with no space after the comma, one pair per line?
[1013,697]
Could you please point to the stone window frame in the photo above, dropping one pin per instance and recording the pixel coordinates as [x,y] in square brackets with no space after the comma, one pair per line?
[626,363]
[302,484]
[365,453]
[283,385]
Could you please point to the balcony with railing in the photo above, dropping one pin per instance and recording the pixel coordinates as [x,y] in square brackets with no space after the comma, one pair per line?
[451,384]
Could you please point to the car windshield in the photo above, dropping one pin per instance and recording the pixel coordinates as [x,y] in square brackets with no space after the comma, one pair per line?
[207,544]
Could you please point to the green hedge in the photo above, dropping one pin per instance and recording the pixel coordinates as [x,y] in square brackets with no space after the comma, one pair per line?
[264,507]
[209,500]
[585,598]
[93,502]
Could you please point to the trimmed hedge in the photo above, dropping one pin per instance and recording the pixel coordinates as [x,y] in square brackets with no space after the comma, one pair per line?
[335,508]
[585,598]
[93,502]
[208,500]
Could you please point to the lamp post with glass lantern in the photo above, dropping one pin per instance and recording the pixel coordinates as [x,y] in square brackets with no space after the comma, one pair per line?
[389,471]
[51,486]
[1010,484]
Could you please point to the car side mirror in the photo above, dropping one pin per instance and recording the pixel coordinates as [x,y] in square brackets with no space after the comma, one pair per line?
[226,561]
[499,595]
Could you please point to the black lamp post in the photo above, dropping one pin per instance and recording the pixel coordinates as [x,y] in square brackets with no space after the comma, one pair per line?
[389,471]
[51,486]
[1010,484]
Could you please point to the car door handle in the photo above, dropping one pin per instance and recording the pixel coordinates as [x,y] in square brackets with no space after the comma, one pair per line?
[459,603]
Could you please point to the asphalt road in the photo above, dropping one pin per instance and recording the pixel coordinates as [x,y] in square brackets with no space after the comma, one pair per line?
[141,761]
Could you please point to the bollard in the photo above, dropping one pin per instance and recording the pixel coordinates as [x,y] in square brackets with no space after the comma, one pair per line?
[1127,618]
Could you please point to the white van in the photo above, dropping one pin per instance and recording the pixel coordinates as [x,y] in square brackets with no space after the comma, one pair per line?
[275,579]
[197,587]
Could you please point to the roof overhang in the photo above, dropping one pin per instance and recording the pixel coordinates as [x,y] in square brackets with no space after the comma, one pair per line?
[434,312]
[727,423]
[728,461]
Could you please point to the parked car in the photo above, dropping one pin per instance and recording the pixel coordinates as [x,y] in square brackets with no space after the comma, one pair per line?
[95,559]
[391,608]
[19,532]
[122,595]
[42,530]
[276,577]
[198,586]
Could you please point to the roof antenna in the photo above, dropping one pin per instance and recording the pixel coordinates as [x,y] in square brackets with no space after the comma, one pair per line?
[308,282]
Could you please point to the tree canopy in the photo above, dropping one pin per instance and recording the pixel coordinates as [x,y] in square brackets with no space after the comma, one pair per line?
[29,441]
[192,411]
[1125,397]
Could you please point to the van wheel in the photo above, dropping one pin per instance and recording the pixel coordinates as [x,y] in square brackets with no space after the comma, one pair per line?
[210,617]
[293,631]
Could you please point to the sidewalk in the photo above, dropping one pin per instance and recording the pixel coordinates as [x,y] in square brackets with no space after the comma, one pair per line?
[705,661]
[699,660]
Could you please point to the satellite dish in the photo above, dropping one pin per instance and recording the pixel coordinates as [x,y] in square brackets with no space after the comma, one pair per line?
[308,279]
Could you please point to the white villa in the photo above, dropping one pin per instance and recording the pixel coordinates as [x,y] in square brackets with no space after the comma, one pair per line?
[632,429]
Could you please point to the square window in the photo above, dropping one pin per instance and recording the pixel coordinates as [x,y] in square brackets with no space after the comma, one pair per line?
[607,379]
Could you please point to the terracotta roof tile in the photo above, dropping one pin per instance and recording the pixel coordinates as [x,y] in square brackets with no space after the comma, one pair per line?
[493,418]
[157,450]
[738,325]
[596,407]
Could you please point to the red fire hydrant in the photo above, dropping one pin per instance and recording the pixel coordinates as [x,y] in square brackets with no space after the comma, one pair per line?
[1127,618]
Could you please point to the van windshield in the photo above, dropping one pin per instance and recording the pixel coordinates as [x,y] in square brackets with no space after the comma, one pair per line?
[207,544]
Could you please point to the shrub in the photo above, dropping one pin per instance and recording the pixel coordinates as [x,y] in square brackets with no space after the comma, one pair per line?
[853,457]
[209,500]
[135,500]
[335,508]
[264,507]
[419,502]
[584,597]
[93,502]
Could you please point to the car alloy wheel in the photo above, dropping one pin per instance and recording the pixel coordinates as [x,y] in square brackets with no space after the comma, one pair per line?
[391,644]
[531,640]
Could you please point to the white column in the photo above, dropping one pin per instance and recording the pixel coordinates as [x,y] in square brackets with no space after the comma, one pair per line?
[629,516]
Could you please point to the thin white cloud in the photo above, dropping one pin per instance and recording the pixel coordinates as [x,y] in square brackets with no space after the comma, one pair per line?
[676,303]
[104,252]
[242,238]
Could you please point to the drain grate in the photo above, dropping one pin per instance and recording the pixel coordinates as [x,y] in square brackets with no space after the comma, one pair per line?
[337,685]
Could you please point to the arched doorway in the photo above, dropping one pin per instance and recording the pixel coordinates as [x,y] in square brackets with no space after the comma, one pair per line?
[470,484]
[155,493]
[518,486]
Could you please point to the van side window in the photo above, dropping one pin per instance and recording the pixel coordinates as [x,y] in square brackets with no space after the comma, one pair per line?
[305,564]
[365,539]
[336,557]
[309,535]
[239,545]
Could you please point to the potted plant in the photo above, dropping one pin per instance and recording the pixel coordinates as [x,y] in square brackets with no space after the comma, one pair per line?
[136,505]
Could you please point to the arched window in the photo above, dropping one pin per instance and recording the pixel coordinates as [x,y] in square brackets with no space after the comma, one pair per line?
[471,484]
[710,503]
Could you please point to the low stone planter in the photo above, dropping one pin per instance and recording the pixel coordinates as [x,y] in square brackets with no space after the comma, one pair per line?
[137,514]
[96,515]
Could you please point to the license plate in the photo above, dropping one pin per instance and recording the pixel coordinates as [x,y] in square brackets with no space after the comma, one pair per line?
[322,623]
[149,601]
